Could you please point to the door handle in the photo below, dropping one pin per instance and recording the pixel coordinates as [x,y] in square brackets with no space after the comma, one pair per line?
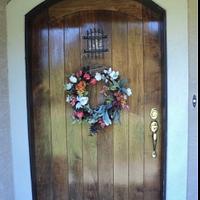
[154,141]
[154,127]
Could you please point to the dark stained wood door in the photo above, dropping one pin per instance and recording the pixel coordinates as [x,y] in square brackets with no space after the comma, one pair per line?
[67,163]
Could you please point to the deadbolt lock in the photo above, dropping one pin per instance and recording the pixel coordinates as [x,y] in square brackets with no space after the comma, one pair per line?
[154,113]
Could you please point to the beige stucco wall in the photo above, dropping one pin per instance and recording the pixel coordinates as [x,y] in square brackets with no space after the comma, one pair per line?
[6,182]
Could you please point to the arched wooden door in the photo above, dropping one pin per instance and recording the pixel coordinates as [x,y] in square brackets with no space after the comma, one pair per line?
[67,163]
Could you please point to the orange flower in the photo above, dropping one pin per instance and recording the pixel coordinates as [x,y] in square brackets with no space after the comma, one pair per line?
[123,102]
[80,87]
[122,99]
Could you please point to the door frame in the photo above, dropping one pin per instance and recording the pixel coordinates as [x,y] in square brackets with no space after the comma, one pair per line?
[45,5]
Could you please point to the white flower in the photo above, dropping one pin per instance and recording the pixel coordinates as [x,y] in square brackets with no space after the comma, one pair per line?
[114,75]
[125,97]
[68,99]
[109,71]
[69,86]
[73,79]
[105,71]
[83,100]
[78,105]
[129,92]
[98,76]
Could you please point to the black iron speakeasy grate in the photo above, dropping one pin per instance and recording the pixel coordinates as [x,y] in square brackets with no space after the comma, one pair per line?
[95,43]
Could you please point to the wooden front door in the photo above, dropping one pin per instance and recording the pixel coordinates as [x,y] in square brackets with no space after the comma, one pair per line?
[67,163]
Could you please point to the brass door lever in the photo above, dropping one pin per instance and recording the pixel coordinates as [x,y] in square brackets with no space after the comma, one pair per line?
[154,129]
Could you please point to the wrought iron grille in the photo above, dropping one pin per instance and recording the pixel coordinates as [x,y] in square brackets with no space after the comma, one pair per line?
[96,42]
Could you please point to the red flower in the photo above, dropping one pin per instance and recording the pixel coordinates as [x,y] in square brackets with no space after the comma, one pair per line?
[121,99]
[126,107]
[102,124]
[104,90]
[93,81]
[73,101]
[79,73]
[79,114]
[87,77]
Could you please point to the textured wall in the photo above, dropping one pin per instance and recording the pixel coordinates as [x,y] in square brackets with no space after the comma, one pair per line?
[193,112]
[6,183]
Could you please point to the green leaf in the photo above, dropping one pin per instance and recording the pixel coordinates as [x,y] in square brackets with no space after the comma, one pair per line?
[123,82]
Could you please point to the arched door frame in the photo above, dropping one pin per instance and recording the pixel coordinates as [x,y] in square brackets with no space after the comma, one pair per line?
[148,3]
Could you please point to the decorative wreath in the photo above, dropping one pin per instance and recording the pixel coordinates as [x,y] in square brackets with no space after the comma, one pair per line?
[114,92]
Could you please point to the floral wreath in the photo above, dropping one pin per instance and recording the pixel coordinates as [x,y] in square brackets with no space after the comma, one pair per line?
[114,92]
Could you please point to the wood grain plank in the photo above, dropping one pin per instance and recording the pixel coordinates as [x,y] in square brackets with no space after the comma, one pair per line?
[74,133]
[90,167]
[105,138]
[59,139]
[120,62]
[68,7]
[136,112]
[41,106]
[152,80]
